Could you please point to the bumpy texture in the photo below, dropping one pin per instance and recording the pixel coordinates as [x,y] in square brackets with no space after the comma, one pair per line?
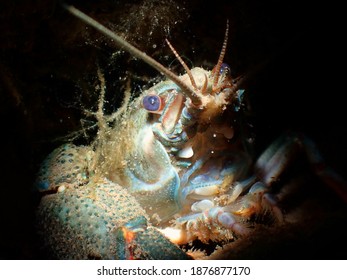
[77,223]
[83,218]
[68,165]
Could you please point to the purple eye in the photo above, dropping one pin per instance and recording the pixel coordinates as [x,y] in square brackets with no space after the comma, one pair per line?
[224,69]
[152,103]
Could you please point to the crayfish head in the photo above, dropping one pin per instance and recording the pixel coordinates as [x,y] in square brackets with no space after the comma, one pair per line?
[214,98]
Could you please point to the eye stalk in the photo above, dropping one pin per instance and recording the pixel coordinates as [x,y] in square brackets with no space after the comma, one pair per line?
[153,103]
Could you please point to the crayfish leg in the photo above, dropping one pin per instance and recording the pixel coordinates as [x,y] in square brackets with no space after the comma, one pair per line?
[135,241]
[283,151]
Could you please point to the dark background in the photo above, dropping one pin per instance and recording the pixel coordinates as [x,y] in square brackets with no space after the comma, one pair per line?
[48,63]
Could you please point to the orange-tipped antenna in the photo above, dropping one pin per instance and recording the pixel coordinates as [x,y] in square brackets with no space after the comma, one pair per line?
[183,64]
[221,57]
[120,42]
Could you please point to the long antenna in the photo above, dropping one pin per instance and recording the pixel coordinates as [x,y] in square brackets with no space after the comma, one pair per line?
[120,42]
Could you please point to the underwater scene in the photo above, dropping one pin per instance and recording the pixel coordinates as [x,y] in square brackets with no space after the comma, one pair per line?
[172,130]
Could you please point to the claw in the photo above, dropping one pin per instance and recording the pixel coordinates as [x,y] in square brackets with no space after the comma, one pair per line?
[66,165]
[173,154]
[100,220]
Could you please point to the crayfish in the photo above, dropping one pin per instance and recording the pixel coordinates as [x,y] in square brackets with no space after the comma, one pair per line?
[168,168]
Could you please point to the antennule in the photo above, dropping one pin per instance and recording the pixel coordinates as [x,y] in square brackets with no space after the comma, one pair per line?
[120,42]
[183,64]
[221,57]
